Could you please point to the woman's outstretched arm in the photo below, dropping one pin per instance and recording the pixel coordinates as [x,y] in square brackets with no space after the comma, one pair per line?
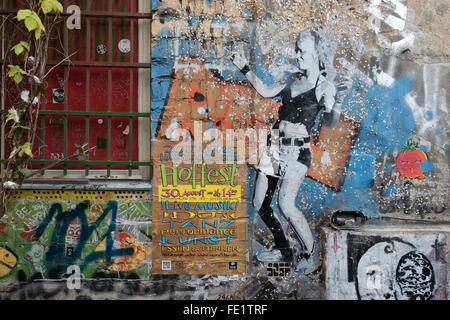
[335,100]
[266,91]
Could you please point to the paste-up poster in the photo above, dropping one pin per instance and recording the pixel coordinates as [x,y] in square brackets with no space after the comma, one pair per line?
[199,214]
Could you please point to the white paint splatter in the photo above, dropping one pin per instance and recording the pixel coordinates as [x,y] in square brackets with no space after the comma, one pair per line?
[394,22]
[325,160]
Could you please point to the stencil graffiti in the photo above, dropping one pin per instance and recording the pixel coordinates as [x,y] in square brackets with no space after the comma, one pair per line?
[303,96]
[389,268]
[409,162]
[415,277]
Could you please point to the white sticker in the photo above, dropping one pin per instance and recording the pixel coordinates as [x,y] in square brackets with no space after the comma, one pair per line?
[102,49]
[125,45]
[166,265]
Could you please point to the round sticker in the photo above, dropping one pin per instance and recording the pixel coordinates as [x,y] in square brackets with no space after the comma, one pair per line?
[101,49]
[125,45]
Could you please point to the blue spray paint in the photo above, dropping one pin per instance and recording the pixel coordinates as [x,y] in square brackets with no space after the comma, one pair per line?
[392,191]
[386,124]
[427,166]
[155,4]
[438,131]
[163,59]
[56,258]
[428,116]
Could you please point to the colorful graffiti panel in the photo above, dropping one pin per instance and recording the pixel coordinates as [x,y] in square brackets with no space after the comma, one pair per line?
[49,231]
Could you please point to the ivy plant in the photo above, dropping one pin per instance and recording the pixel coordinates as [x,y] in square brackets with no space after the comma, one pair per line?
[27,57]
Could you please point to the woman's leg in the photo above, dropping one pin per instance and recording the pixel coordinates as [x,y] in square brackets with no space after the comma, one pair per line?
[264,190]
[295,169]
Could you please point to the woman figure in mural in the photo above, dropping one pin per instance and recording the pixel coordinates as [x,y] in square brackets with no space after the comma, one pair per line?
[287,155]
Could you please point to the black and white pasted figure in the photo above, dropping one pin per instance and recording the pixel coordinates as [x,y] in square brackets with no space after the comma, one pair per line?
[304,94]
[390,269]
[58,96]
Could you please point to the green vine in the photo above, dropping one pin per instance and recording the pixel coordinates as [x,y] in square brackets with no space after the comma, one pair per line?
[27,69]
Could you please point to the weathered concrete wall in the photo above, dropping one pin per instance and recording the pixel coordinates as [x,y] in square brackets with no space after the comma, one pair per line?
[432,46]
[393,57]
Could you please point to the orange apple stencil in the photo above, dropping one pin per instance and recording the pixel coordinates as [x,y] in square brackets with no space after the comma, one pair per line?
[409,162]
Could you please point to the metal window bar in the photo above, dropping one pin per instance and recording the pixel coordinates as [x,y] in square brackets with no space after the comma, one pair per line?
[108,15]
[130,115]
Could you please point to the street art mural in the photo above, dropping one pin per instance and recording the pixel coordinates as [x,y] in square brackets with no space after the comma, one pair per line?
[346,123]
[348,118]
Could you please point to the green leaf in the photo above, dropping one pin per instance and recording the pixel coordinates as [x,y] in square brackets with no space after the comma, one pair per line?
[22,14]
[58,7]
[24,170]
[31,23]
[12,69]
[9,118]
[16,73]
[37,33]
[26,147]
[20,47]
[40,27]
[46,6]
[51,5]
[25,45]
[18,78]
